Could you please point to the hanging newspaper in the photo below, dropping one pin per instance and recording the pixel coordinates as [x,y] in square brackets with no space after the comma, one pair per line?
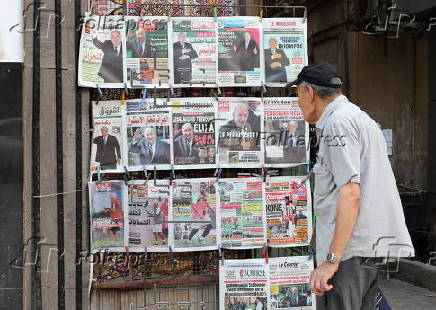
[288,211]
[148,215]
[107,146]
[289,283]
[240,127]
[194,133]
[101,52]
[194,51]
[244,284]
[148,134]
[194,215]
[239,54]
[286,137]
[285,49]
[147,51]
[107,215]
[241,213]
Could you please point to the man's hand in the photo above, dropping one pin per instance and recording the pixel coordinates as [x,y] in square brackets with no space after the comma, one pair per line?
[119,161]
[255,51]
[276,64]
[320,276]
[275,56]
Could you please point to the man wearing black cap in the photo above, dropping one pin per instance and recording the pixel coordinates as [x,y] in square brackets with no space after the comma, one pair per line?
[356,200]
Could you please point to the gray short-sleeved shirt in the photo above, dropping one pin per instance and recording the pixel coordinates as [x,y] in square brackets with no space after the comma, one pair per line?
[352,148]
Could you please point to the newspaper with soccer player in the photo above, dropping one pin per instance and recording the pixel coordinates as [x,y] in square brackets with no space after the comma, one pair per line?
[107,201]
[101,52]
[194,214]
[147,221]
[239,129]
[193,121]
[289,283]
[243,284]
[239,51]
[194,52]
[147,134]
[284,49]
[286,134]
[241,213]
[288,211]
[107,143]
[147,53]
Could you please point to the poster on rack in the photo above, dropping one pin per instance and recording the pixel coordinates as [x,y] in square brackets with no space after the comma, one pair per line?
[288,211]
[147,53]
[240,128]
[243,284]
[107,7]
[107,215]
[156,7]
[290,283]
[148,207]
[101,52]
[241,213]
[239,51]
[194,143]
[194,52]
[284,49]
[107,142]
[148,134]
[194,215]
[286,138]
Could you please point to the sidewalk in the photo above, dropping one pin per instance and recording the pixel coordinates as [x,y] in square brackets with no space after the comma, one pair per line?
[404,296]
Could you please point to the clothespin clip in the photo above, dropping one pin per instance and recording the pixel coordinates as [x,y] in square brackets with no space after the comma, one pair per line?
[204,83]
[144,96]
[311,254]
[260,15]
[171,256]
[154,96]
[264,173]
[99,94]
[173,174]
[218,172]
[308,166]
[219,90]
[126,248]
[122,96]
[155,176]
[215,14]
[145,173]
[160,83]
[126,175]
[221,256]
[126,90]
[263,90]
[265,252]
[99,173]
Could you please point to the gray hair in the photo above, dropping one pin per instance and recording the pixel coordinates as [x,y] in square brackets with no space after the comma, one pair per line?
[325,92]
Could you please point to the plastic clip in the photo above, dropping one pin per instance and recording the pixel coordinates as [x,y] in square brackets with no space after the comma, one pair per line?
[154,96]
[173,174]
[154,176]
[171,256]
[126,175]
[99,94]
[99,174]
[260,15]
[265,252]
[126,90]
[218,172]
[311,254]
[215,14]
[145,173]
[144,96]
[264,173]
[221,256]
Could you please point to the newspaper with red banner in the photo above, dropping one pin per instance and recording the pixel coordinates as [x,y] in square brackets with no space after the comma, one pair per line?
[288,211]
[241,213]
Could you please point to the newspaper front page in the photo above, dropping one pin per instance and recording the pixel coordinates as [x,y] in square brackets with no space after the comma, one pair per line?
[147,52]
[194,52]
[107,201]
[194,215]
[148,209]
[101,52]
[288,211]
[239,51]
[107,142]
[241,213]
[286,134]
[240,126]
[148,134]
[284,49]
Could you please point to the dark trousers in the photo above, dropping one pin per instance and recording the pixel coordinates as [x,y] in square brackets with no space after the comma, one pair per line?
[354,286]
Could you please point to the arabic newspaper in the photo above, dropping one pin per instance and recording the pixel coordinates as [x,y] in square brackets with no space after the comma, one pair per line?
[286,137]
[147,52]
[239,54]
[107,215]
[148,134]
[289,283]
[288,211]
[148,215]
[194,206]
[241,213]
[194,51]
[194,143]
[284,49]
[243,284]
[107,142]
[240,127]
[101,52]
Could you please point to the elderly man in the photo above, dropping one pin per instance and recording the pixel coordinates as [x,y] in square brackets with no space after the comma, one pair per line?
[356,200]
[294,143]
[275,63]
[139,47]
[111,69]
[247,53]
[108,152]
[183,53]
[185,148]
[151,150]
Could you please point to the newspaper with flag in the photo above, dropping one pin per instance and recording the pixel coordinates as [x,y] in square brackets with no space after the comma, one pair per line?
[284,49]
[193,212]
[239,51]
[147,215]
[286,134]
[241,213]
[288,211]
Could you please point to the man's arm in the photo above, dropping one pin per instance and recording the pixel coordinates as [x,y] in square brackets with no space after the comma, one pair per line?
[117,146]
[98,43]
[192,54]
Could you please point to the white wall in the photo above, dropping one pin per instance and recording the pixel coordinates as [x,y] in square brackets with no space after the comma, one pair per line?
[11,41]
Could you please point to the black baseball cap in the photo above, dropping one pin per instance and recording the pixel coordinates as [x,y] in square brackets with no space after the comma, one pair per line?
[323,74]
